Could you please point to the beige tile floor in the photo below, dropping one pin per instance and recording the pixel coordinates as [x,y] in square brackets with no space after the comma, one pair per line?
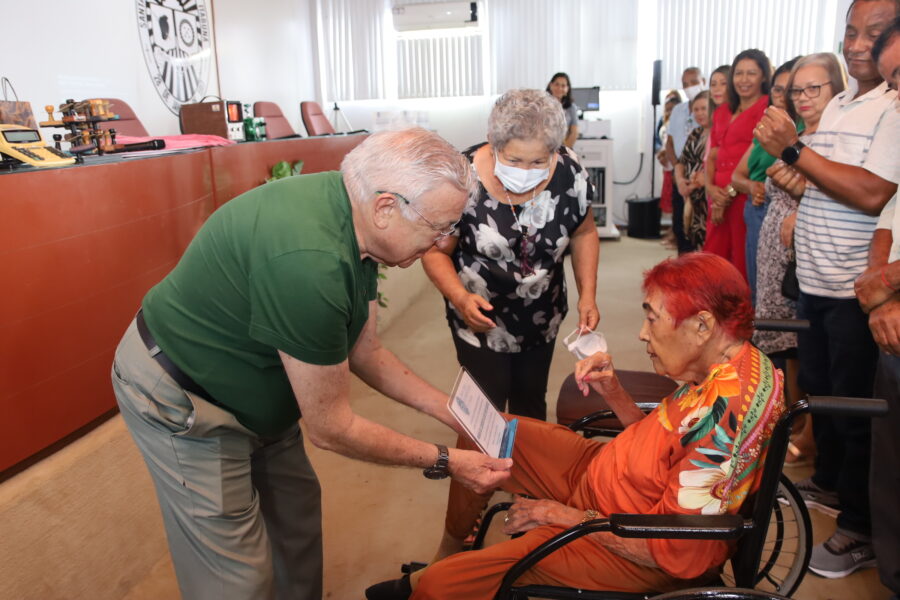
[85,524]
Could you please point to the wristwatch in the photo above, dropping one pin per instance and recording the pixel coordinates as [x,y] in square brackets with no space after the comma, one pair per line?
[441,467]
[791,154]
[729,189]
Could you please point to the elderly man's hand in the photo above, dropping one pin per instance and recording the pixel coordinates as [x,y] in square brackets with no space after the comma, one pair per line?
[525,514]
[470,307]
[478,472]
[787,178]
[870,289]
[775,131]
[884,322]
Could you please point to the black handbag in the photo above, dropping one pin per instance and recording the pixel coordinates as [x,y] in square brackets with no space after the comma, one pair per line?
[790,287]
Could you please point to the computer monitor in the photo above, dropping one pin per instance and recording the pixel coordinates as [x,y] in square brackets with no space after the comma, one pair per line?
[586,98]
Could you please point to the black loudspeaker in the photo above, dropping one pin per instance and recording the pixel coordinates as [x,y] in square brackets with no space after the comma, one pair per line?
[657,76]
[644,217]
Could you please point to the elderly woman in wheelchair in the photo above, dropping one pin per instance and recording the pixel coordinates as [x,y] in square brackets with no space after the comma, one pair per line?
[699,452]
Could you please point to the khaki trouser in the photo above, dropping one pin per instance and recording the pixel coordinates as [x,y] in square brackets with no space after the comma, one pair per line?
[242,513]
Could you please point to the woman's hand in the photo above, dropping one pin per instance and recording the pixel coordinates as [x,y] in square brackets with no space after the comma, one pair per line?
[718,196]
[588,314]
[596,371]
[525,514]
[758,193]
[717,213]
[470,306]
[787,229]
[698,179]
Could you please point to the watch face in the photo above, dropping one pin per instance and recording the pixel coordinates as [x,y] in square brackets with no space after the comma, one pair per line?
[436,472]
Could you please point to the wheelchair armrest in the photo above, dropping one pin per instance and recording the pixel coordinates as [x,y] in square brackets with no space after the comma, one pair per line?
[848,407]
[586,420]
[677,527]
[781,324]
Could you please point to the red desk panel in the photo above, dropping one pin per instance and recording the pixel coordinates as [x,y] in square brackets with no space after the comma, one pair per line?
[79,248]
[242,167]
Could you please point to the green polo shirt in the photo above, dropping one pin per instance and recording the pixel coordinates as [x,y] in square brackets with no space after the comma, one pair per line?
[277,268]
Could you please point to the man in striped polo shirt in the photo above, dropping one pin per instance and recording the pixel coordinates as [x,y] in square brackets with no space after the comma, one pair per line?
[877,290]
[850,171]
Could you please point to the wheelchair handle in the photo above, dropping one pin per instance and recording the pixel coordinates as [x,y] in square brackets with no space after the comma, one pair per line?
[848,407]
[781,324]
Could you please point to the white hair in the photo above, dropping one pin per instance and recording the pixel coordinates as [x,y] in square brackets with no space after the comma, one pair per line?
[410,162]
[527,115]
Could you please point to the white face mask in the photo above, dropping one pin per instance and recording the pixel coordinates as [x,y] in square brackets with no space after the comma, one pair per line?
[585,345]
[516,180]
[692,91]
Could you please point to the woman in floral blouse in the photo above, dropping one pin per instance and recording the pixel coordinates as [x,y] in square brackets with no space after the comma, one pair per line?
[503,278]
[701,451]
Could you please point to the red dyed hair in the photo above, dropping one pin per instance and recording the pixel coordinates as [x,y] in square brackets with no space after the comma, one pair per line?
[700,281]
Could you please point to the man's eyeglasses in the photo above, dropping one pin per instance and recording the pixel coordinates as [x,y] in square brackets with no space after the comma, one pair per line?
[811,91]
[441,233]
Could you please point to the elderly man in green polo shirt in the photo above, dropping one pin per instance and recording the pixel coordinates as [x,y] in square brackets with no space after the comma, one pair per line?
[263,319]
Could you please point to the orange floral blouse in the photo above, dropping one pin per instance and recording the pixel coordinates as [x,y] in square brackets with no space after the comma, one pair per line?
[700,452]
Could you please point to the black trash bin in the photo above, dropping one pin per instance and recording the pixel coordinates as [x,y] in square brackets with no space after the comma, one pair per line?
[644,217]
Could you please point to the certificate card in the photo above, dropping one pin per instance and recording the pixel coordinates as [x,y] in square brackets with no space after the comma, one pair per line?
[484,423]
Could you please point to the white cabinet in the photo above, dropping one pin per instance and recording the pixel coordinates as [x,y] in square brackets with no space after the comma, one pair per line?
[596,155]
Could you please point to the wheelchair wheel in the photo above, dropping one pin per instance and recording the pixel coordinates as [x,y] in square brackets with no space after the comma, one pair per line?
[719,594]
[788,545]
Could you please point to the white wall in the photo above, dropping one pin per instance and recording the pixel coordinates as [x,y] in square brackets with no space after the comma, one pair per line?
[268,53]
[58,49]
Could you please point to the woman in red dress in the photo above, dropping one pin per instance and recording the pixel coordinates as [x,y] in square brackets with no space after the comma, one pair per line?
[731,135]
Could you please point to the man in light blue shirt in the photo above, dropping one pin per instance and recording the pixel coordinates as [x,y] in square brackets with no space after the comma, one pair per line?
[681,124]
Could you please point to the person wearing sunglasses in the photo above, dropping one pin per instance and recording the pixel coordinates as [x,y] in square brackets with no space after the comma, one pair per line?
[846,175]
[264,318]
[502,274]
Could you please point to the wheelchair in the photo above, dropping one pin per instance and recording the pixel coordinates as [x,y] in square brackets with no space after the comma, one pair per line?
[773,532]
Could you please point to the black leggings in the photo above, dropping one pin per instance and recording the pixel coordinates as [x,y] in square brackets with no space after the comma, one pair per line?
[517,377]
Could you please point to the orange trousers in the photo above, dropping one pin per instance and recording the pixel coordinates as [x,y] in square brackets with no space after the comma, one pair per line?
[549,462]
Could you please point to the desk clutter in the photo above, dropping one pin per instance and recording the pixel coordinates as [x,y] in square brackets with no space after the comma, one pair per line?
[99,126]
[85,135]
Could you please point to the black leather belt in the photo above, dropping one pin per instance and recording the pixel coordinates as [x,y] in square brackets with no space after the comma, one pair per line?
[180,377]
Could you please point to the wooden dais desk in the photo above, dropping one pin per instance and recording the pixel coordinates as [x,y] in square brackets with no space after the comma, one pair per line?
[79,248]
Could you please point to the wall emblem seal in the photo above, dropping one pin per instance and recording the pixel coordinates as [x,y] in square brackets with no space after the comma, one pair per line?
[175,38]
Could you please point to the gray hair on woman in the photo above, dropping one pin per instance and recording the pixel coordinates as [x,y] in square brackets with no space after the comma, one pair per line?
[409,161]
[527,115]
[836,75]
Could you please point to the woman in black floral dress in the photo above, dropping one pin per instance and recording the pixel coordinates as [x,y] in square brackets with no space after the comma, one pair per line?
[503,278]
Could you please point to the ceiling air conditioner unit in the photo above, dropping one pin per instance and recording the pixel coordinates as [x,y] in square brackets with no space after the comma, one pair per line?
[435,15]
